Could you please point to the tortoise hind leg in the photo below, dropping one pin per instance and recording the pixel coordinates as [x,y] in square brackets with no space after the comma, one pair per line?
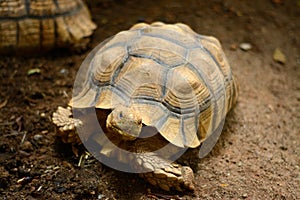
[163,173]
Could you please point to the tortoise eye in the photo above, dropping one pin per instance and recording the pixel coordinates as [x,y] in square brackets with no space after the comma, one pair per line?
[121,115]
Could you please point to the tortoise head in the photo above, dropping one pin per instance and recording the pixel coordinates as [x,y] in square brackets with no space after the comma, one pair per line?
[125,122]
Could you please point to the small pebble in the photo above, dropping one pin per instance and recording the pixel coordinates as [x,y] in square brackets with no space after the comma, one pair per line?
[245,195]
[92,192]
[26,146]
[24,180]
[39,188]
[63,71]
[37,137]
[233,47]
[245,46]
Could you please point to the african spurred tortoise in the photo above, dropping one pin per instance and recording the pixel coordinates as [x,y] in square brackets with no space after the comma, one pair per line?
[162,76]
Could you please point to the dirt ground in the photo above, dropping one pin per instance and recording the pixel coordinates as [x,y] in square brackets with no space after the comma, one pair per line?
[257,155]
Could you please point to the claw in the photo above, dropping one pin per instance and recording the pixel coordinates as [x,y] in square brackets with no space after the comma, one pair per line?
[66,125]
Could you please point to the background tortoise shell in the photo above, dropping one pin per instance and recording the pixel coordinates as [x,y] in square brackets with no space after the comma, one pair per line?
[43,24]
[179,81]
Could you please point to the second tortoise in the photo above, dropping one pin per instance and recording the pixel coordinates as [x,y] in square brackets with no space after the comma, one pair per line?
[35,26]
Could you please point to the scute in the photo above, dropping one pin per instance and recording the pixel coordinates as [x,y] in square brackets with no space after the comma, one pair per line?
[213,46]
[44,7]
[138,74]
[162,51]
[171,33]
[182,84]
[213,76]
[146,108]
[110,97]
[109,60]
[171,130]
[178,81]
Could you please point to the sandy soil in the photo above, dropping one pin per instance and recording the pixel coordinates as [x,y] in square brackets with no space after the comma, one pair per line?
[257,155]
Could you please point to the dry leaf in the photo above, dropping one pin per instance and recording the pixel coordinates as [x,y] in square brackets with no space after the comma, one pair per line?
[3,104]
[224,184]
[278,56]
[33,71]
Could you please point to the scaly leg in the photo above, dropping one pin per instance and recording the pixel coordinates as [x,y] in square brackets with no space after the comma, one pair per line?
[163,173]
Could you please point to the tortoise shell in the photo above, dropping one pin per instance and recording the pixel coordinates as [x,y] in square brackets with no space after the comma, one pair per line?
[43,24]
[177,80]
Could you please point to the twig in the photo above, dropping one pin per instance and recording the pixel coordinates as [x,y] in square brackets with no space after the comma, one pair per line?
[24,136]
[3,104]
[157,196]
[32,100]
[6,123]
[14,133]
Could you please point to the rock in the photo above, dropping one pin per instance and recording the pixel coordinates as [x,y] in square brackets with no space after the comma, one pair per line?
[245,195]
[38,137]
[233,47]
[245,46]
[27,146]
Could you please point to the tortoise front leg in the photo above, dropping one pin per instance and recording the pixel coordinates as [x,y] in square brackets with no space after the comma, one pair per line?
[161,172]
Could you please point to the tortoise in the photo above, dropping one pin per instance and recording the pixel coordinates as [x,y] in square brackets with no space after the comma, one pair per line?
[40,25]
[155,86]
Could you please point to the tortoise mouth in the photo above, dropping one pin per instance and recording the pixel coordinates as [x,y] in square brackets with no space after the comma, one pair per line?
[124,133]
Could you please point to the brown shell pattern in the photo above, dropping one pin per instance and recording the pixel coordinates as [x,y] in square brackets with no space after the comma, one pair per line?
[42,24]
[177,80]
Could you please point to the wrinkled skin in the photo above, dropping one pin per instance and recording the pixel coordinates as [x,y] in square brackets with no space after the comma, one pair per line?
[125,122]
[123,129]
